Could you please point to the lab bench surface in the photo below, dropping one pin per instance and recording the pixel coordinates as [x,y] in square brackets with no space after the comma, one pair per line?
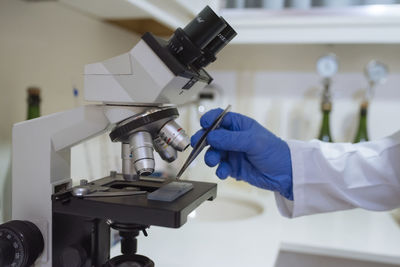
[257,241]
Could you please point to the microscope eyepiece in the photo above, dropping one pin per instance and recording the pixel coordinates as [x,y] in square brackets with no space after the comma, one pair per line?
[216,45]
[204,27]
[222,39]
[187,44]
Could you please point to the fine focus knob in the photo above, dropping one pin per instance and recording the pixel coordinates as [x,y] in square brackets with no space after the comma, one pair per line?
[21,243]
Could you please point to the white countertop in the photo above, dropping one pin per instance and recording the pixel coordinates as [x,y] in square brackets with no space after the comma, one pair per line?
[256,241]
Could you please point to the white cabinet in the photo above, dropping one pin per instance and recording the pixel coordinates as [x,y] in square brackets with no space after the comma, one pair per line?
[365,24]
[319,25]
[170,13]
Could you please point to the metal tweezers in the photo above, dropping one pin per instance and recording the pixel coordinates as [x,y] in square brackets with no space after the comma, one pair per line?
[202,143]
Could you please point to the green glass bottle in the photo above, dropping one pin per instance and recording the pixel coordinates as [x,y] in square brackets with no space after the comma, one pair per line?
[325,132]
[362,132]
[33,103]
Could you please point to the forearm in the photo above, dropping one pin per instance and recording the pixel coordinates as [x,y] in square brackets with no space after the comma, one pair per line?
[329,177]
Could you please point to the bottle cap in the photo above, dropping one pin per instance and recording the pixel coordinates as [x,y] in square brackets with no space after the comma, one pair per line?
[33,90]
[364,104]
[326,106]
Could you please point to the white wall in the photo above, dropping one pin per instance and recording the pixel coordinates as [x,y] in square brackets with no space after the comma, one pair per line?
[302,57]
[47,44]
[278,85]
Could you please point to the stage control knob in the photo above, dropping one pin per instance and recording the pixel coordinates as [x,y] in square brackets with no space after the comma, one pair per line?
[21,243]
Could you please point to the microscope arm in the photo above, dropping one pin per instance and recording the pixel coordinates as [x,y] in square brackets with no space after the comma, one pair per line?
[41,160]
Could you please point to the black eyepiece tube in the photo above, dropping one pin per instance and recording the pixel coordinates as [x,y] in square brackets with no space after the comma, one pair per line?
[204,27]
[222,39]
[199,42]
[216,45]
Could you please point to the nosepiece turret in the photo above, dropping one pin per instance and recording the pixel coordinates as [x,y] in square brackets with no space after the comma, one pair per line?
[153,129]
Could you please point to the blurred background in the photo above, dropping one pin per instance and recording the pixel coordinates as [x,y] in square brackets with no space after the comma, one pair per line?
[268,72]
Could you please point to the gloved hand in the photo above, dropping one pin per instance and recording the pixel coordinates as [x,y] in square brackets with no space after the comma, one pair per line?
[247,151]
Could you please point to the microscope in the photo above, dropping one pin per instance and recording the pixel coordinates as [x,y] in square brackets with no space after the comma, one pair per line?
[56,224]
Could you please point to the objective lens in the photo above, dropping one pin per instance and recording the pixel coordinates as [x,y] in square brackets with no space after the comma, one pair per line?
[204,27]
[174,135]
[167,153]
[141,145]
[128,170]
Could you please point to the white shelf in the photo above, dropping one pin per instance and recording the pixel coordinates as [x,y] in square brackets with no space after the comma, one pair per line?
[355,25]
[365,24]
[171,13]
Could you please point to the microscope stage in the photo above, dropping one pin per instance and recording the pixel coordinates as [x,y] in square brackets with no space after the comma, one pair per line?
[135,209]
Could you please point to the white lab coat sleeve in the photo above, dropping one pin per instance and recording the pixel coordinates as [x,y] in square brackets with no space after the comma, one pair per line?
[339,176]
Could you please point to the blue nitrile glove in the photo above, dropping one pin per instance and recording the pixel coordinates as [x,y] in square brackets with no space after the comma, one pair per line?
[247,151]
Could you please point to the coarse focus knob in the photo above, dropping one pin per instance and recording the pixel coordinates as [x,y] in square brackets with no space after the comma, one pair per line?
[21,243]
